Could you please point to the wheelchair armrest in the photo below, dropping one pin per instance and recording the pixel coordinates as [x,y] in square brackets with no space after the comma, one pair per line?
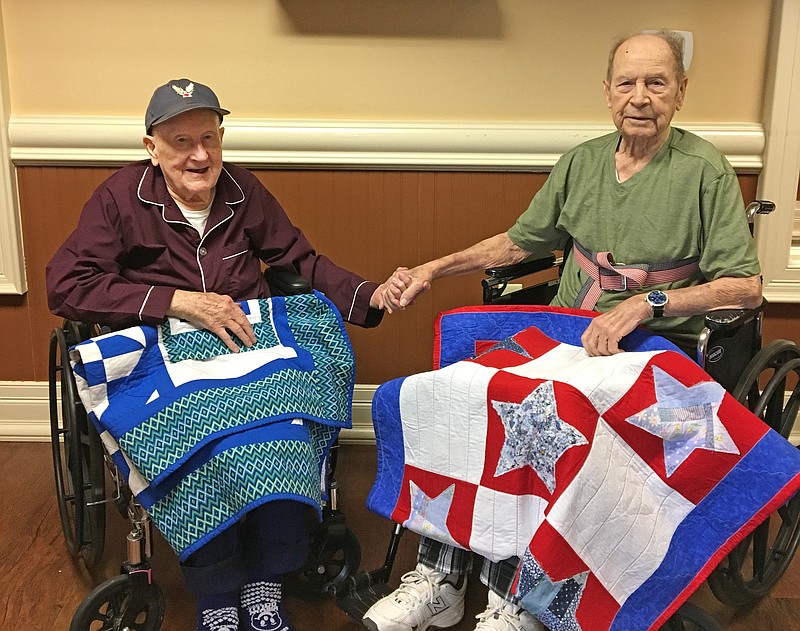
[734,334]
[498,278]
[76,331]
[727,319]
[509,272]
[286,282]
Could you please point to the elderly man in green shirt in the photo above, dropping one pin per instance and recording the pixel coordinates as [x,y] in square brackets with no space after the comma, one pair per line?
[655,219]
[647,194]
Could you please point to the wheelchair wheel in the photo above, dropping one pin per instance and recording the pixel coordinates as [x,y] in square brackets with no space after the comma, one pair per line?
[757,563]
[690,618]
[78,461]
[331,561]
[121,603]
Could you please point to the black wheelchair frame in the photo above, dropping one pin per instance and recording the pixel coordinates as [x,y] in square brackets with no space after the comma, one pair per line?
[757,377]
[132,600]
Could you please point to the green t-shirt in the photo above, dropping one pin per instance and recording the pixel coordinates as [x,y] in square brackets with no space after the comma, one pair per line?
[685,202]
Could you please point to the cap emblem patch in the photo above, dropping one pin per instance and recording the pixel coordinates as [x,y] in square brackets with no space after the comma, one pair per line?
[186,92]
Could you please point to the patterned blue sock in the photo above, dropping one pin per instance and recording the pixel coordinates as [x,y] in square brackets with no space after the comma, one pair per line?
[217,612]
[262,607]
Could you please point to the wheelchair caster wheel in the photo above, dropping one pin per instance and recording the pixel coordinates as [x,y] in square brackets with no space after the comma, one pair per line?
[758,562]
[121,603]
[690,617]
[331,561]
[78,461]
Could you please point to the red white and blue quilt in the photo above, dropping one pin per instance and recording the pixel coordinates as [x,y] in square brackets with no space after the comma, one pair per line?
[618,482]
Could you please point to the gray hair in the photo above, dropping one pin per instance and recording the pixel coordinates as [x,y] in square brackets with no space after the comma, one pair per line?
[673,40]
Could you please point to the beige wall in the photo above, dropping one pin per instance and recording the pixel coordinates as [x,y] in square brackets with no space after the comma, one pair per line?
[463,60]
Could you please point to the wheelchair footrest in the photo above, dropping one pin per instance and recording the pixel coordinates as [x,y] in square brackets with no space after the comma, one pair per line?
[358,593]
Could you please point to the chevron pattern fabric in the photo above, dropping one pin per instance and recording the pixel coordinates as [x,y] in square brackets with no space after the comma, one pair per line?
[322,437]
[214,496]
[330,352]
[207,434]
[168,436]
[195,344]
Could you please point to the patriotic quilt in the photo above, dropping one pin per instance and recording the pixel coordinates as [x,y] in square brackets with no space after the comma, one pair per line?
[204,435]
[615,483]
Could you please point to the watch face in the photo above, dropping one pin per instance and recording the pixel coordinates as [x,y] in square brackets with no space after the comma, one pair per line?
[657,298]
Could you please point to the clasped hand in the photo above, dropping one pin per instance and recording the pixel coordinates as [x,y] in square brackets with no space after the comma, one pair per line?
[403,287]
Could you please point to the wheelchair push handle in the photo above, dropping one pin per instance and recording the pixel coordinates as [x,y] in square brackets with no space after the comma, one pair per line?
[758,207]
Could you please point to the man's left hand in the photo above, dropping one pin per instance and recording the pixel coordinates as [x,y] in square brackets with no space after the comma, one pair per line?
[603,335]
[219,314]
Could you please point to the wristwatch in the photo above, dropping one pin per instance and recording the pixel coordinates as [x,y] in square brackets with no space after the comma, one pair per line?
[657,300]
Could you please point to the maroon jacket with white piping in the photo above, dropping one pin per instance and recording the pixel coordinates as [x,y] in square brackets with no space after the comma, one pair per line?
[133,248]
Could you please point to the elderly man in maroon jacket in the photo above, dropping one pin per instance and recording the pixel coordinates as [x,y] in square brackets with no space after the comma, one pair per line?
[183,234]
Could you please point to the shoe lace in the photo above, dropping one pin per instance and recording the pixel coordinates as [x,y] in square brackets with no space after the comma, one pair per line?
[501,613]
[414,588]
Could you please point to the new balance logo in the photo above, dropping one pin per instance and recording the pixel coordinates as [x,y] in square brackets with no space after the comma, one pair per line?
[437,605]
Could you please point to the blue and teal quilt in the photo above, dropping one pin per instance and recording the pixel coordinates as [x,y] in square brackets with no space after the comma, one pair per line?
[204,435]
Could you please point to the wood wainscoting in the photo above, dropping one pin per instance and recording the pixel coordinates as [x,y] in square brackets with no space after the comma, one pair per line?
[369,221]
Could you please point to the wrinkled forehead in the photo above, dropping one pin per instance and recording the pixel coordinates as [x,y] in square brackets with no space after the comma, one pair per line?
[644,54]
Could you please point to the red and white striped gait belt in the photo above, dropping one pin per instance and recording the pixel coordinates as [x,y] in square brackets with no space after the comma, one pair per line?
[605,275]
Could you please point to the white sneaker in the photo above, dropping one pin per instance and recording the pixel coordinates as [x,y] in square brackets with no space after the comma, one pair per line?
[501,615]
[424,599]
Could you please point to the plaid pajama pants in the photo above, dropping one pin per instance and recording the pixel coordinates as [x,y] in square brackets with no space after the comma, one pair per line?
[497,576]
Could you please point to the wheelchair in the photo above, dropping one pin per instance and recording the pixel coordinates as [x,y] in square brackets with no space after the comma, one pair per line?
[133,601]
[757,377]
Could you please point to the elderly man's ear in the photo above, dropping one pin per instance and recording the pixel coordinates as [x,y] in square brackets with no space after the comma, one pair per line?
[681,93]
[150,147]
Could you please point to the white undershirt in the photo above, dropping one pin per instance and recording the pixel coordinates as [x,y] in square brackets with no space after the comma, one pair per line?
[198,218]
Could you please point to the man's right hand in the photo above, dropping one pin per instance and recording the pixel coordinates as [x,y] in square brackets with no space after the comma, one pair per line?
[404,286]
[219,314]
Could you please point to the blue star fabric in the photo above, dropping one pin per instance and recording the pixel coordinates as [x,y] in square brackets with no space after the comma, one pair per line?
[555,603]
[509,344]
[535,435]
[428,515]
[685,418]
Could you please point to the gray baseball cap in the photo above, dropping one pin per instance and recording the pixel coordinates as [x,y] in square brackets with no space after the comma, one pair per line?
[179,96]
